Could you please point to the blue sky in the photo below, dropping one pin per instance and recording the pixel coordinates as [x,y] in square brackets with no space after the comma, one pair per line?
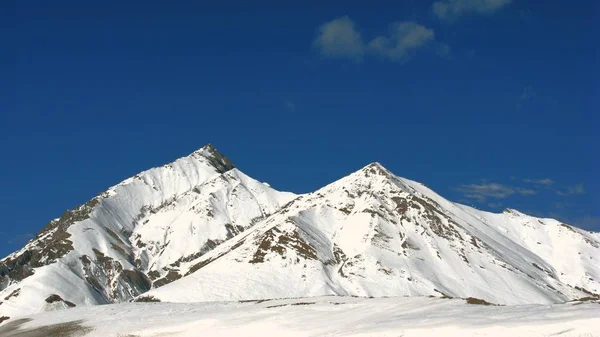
[493,103]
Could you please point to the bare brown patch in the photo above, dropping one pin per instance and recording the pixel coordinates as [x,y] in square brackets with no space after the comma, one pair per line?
[292,241]
[68,329]
[277,306]
[147,299]
[171,276]
[15,293]
[56,298]
[401,205]
[477,301]
[443,294]
[201,264]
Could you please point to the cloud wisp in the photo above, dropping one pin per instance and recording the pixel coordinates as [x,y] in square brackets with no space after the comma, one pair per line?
[481,192]
[485,190]
[339,38]
[451,10]
[571,190]
[404,38]
[544,182]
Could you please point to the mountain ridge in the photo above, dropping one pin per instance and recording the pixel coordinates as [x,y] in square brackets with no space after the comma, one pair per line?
[201,225]
[444,230]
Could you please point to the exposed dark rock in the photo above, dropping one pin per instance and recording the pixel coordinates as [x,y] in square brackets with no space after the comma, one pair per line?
[408,244]
[588,292]
[85,259]
[277,306]
[401,205]
[472,300]
[233,230]
[346,209]
[15,293]
[538,267]
[474,242]
[147,298]
[444,295]
[216,159]
[384,270]
[56,298]
[292,241]
[170,277]
[53,298]
[49,245]
[201,264]
[68,329]
[154,274]
[338,254]
[137,280]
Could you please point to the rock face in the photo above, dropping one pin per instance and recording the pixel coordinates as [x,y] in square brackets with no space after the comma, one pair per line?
[198,229]
[135,236]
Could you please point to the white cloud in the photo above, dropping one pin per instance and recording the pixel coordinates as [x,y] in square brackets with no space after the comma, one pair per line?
[340,39]
[404,38]
[571,190]
[481,192]
[450,10]
[545,181]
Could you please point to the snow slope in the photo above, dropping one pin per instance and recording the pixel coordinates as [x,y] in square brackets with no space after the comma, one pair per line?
[321,316]
[375,234]
[134,236]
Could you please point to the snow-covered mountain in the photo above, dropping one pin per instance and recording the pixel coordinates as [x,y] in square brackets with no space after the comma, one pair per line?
[136,235]
[198,229]
[375,234]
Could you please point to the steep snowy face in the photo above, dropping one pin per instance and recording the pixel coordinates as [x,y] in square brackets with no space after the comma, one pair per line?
[135,236]
[375,234]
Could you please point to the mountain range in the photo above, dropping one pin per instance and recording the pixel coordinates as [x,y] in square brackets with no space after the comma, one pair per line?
[199,229]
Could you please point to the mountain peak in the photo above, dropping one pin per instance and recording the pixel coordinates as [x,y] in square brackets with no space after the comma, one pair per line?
[216,159]
[373,177]
[375,168]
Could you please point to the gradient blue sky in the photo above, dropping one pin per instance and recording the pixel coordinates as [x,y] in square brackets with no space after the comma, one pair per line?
[490,102]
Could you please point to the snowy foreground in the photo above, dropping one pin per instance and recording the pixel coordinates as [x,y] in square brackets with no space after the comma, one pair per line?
[320,316]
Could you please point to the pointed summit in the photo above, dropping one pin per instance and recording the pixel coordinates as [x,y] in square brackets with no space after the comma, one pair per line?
[375,168]
[214,157]
[373,177]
